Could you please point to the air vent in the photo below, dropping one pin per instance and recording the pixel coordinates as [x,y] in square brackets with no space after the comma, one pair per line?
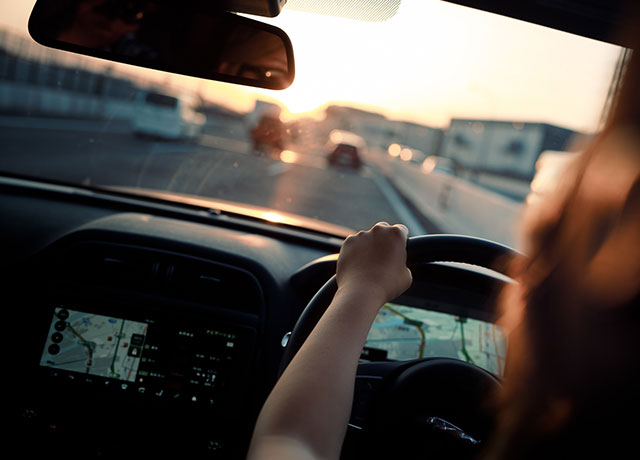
[158,272]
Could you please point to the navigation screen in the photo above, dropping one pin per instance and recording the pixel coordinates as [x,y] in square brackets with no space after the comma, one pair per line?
[189,361]
[402,333]
[94,344]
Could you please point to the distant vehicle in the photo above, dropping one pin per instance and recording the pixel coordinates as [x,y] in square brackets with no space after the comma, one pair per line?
[406,153]
[268,136]
[417,157]
[345,149]
[437,164]
[165,116]
[261,108]
[345,155]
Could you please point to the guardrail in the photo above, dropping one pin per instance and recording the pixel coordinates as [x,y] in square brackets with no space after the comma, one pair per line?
[24,98]
[453,204]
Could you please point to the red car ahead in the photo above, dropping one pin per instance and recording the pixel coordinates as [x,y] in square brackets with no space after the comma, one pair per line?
[345,155]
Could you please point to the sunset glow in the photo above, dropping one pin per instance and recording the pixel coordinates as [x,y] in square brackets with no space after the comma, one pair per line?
[432,61]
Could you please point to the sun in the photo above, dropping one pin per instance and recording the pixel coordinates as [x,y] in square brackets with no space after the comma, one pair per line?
[302,98]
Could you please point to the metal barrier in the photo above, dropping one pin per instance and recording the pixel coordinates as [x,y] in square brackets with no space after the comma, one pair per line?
[454,204]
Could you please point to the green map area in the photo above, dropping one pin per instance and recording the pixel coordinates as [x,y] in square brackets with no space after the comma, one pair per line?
[94,344]
[409,333]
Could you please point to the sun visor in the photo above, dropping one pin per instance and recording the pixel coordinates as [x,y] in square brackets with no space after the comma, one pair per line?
[361,10]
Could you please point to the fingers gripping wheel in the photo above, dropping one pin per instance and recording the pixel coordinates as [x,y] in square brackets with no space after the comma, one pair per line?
[428,398]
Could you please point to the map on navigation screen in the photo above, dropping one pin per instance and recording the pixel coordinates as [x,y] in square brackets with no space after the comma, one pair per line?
[401,333]
[94,344]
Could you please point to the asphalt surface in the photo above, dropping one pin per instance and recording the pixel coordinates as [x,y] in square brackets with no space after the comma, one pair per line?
[219,165]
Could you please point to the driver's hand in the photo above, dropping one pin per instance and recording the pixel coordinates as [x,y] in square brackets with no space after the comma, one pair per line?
[375,262]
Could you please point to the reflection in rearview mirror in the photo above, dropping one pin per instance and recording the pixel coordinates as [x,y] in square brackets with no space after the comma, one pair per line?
[211,44]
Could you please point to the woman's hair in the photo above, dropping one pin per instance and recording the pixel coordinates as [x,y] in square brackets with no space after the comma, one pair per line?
[571,386]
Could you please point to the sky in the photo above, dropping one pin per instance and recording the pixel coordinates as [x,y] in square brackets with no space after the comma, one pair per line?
[430,62]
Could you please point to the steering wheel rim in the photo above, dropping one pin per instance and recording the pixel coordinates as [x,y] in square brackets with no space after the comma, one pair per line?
[448,431]
[420,250]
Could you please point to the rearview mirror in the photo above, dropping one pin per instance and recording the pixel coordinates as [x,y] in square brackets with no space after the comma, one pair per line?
[171,36]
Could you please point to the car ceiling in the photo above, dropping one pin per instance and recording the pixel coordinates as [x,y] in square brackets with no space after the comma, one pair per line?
[597,19]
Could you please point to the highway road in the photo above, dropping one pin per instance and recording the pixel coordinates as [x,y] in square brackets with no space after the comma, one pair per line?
[219,165]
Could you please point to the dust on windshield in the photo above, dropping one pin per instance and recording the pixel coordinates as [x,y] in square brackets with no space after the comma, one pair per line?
[435,118]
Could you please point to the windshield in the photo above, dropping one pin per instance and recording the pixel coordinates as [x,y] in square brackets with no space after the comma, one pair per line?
[451,107]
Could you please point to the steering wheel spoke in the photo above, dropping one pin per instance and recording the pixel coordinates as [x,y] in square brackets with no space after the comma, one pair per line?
[370,379]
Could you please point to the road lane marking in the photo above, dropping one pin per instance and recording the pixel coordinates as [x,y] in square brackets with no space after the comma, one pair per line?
[404,213]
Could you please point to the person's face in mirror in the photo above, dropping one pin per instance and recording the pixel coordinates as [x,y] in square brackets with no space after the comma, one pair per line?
[236,49]
[256,55]
[175,39]
[94,28]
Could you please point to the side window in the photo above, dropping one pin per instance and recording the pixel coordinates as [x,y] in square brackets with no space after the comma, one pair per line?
[68,79]
[7,66]
[515,147]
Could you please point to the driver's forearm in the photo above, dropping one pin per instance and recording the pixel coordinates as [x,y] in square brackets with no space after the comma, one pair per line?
[311,402]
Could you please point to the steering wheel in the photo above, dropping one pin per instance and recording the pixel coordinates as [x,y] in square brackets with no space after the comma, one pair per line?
[426,406]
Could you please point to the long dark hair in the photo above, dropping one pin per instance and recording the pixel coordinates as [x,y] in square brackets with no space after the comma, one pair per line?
[571,386]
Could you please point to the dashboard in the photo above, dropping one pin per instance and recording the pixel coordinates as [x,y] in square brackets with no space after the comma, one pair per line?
[139,329]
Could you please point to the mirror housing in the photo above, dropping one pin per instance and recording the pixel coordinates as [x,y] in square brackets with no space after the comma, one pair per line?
[178,37]
[269,8]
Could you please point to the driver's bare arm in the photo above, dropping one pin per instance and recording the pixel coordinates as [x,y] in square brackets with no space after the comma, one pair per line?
[306,414]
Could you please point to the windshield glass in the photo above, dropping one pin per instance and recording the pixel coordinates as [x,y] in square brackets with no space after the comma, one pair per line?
[445,111]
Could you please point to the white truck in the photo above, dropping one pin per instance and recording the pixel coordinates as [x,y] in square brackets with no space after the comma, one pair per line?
[166,116]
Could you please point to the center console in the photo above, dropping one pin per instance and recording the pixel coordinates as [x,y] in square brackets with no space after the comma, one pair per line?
[144,355]
[121,363]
